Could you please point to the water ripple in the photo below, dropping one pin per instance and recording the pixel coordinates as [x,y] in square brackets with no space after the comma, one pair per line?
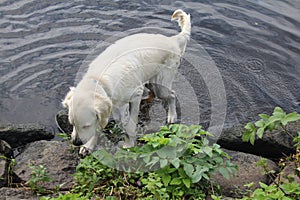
[254,43]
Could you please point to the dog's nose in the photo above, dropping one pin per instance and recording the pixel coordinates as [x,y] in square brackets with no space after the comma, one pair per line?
[76,141]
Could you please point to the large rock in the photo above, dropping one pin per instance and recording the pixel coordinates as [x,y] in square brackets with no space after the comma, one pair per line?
[6,154]
[57,157]
[247,172]
[22,134]
[17,194]
[273,145]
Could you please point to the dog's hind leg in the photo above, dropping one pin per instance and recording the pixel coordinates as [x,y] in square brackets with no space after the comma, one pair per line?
[131,124]
[172,114]
[161,86]
[169,96]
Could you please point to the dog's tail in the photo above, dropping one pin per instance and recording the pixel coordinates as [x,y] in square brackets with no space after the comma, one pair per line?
[184,21]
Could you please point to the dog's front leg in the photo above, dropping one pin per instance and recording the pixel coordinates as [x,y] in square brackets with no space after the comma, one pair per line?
[89,147]
[172,114]
[130,127]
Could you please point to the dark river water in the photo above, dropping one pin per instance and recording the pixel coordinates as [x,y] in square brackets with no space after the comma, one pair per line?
[243,57]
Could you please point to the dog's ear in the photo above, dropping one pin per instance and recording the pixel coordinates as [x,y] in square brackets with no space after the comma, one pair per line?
[103,107]
[66,102]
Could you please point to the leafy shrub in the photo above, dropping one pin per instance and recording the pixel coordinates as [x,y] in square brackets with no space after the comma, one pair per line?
[68,196]
[186,161]
[284,191]
[174,163]
[92,177]
[287,189]
[279,120]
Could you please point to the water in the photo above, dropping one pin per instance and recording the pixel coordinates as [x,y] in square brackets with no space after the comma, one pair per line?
[254,45]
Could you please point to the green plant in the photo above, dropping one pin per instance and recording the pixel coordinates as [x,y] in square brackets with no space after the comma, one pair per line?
[174,163]
[68,196]
[280,189]
[39,176]
[185,161]
[279,119]
[285,191]
[92,178]
[64,136]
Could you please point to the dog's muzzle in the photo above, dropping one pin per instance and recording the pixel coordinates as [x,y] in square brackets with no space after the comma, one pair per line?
[76,141]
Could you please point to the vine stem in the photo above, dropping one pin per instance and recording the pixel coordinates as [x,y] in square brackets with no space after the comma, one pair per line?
[286,131]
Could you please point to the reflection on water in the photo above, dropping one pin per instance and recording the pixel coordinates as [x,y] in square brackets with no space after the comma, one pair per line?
[255,45]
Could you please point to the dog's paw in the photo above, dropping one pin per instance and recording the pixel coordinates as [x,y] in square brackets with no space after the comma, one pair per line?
[172,119]
[127,145]
[84,151]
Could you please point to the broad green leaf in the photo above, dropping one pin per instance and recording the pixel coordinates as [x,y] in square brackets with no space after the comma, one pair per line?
[208,151]
[162,153]
[271,127]
[197,176]
[246,136]
[167,152]
[188,168]
[249,126]
[146,157]
[164,128]
[224,172]
[201,171]
[155,144]
[263,185]
[273,119]
[182,173]
[278,112]
[163,163]
[252,138]
[205,176]
[175,127]
[166,178]
[154,160]
[187,182]
[260,123]
[292,187]
[260,132]
[175,162]
[291,117]
[176,181]
[264,116]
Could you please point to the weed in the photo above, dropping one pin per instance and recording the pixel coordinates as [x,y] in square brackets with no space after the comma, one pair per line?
[280,189]
[39,176]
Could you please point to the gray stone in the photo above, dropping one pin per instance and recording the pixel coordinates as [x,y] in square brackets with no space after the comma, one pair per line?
[22,134]
[17,194]
[272,145]
[57,157]
[247,172]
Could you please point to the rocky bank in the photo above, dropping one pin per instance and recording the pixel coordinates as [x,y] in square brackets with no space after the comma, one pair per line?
[60,158]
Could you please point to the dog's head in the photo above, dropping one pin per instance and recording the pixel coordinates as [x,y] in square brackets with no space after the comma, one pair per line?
[88,111]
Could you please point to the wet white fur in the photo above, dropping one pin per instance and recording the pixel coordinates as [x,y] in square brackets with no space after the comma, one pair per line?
[116,77]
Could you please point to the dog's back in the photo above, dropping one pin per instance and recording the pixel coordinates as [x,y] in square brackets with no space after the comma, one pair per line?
[135,59]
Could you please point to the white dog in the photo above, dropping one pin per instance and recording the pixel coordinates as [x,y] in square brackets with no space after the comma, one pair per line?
[116,78]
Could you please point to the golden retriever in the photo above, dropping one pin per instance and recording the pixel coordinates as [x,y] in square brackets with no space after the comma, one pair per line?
[116,78]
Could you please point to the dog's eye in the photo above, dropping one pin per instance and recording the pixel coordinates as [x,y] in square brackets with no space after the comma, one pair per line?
[86,126]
